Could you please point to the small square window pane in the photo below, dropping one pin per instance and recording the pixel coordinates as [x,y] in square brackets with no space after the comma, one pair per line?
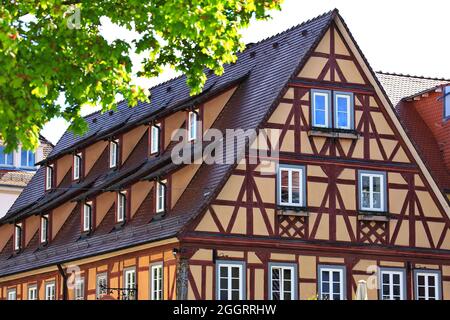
[336,276]
[235,272]
[325,276]
[319,117]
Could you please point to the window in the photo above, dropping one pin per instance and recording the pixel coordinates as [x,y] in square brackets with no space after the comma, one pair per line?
[392,284]
[447,102]
[343,110]
[12,294]
[6,159]
[18,237]
[49,177]
[154,142]
[331,283]
[44,228]
[130,284]
[121,206]
[32,292]
[160,196]
[113,153]
[230,280]
[77,166]
[27,158]
[291,186]
[282,281]
[102,285]
[79,289]
[372,191]
[192,125]
[427,284]
[156,282]
[321,108]
[50,291]
[87,216]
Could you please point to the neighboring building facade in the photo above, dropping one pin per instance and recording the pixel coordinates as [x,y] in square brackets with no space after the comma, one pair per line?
[17,169]
[342,194]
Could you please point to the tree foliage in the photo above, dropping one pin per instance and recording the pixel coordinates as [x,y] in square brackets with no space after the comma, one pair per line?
[51,49]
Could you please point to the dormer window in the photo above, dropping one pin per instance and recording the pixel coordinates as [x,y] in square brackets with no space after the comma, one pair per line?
[77,166]
[18,236]
[447,102]
[87,217]
[154,142]
[160,196]
[49,177]
[113,153]
[44,229]
[192,125]
[121,206]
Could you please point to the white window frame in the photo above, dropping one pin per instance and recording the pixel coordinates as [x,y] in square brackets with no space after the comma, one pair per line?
[32,292]
[113,153]
[6,158]
[447,102]
[302,185]
[99,292]
[192,126]
[129,285]
[157,281]
[242,279]
[77,166]
[78,290]
[49,171]
[28,152]
[383,191]
[87,216]
[160,196]
[50,290]
[349,98]
[44,228]
[18,236]
[282,267]
[154,139]
[437,281]
[327,95]
[121,206]
[391,272]
[12,294]
[342,281]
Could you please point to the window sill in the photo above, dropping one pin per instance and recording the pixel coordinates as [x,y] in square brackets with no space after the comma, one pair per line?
[333,133]
[373,216]
[292,211]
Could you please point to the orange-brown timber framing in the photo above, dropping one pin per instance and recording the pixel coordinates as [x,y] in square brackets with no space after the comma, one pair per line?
[229,214]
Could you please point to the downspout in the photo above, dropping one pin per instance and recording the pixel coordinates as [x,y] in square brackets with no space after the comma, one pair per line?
[64,277]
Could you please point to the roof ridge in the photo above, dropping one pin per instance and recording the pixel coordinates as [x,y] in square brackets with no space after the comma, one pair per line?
[411,76]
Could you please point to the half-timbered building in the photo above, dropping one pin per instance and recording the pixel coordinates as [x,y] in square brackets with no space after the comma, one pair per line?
[342,192]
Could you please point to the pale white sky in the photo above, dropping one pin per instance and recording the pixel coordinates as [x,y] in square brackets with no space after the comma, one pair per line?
[402,36]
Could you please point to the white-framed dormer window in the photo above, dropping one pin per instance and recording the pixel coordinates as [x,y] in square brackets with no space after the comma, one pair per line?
[87,216]
[130,284]
[331,282]
[12,294]
[77,166]
[427,284]
[230,280]
[50,290]
[343,110]
[18,236]
[121,206]
[447,102]
[156,286]
[79,289]
[160,196]
[49,177]
[321,108]
[154,139]
[282,281]
[27,158]
[113,153]
[192,125]
[291,186]
[44,229]
[392,284]
[6,159]
[372,191]
[32,292]
[102,285]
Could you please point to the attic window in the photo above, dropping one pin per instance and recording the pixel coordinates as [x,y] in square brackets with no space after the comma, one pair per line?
[77,166]
[87,217]
[49,177]
[44,229]
[18,237]
[113,153]
[447,102]
[121,206]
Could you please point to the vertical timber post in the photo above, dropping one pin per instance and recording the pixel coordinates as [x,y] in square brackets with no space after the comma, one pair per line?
[182,278]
